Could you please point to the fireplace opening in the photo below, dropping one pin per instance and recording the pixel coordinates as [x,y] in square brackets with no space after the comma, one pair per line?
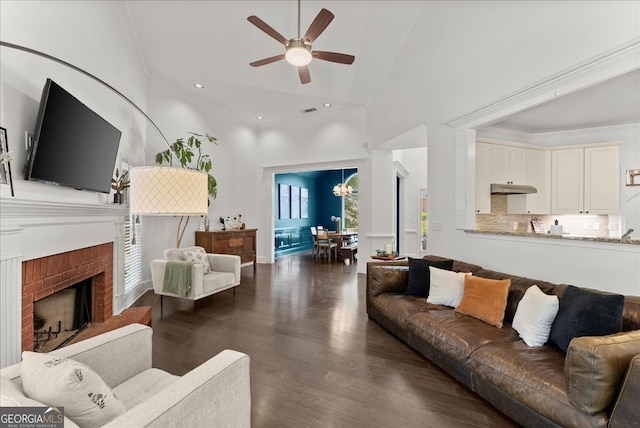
[58,318]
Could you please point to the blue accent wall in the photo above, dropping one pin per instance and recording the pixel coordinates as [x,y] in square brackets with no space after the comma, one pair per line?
[294,235]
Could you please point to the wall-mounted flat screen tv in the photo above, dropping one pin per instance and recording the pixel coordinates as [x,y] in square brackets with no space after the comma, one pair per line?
[73,146]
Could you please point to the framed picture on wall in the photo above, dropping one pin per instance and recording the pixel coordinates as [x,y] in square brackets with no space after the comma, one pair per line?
[284,202]
[295,202]
[304,202]
[5,158]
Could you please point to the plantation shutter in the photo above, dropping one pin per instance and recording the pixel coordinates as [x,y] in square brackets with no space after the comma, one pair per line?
[132,252]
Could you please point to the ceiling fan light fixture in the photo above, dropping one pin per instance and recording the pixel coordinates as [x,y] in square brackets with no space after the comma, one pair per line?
[298,53]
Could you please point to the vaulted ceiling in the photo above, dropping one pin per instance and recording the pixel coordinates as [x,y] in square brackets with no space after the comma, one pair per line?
[420,48]
[211,42]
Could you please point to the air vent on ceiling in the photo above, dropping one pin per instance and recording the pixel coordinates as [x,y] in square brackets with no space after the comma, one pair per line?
[309,110]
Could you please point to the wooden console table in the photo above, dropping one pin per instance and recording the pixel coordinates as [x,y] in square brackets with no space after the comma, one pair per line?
[240,242]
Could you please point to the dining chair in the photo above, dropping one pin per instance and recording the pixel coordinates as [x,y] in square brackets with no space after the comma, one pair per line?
[314,237]
[326,245]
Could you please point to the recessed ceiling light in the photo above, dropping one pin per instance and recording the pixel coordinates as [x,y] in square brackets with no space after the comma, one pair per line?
[259,117]
[327,104]
[198,85]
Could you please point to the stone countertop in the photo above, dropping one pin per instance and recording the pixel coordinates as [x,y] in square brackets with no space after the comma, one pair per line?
[565,236]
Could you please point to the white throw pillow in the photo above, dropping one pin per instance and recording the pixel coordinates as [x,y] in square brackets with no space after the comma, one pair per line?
[62,382]
[447,287]
[534,316]
[197,256]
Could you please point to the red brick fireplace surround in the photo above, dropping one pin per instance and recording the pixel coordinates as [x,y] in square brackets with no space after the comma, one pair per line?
[47,275]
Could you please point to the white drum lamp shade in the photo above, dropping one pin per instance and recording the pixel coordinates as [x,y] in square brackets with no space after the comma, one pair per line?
[165,191]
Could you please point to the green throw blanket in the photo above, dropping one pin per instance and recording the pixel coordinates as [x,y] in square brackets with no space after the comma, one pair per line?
[177,277]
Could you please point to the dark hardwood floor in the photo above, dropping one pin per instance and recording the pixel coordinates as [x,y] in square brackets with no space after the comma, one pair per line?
[316,359]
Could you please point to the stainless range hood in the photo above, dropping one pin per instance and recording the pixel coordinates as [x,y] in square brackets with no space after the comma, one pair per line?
[512,189]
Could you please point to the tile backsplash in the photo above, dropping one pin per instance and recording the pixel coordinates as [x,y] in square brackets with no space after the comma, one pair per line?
[500,221]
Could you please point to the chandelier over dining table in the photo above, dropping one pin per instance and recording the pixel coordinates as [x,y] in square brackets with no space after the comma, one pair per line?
[342,189]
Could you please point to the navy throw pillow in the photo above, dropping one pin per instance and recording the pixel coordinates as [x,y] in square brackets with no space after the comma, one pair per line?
[419,278]
[586,313]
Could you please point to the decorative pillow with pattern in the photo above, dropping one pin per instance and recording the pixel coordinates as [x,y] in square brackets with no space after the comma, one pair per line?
[62,382]
[197,256]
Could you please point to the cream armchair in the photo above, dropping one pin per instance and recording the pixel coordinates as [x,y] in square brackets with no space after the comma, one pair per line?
[217,393]
[225,274]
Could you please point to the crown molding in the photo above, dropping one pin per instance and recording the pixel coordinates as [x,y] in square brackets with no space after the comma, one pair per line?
[613,63]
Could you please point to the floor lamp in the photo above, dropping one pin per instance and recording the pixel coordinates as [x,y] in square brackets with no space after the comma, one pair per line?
[166,191]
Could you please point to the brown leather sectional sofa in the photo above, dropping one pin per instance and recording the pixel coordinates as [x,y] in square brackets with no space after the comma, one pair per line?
[533,386]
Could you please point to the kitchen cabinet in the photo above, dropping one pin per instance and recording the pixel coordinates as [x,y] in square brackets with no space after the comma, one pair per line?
[507,164]
[496,163]
[602,180]
[537,174]
[585,180]
[483,180]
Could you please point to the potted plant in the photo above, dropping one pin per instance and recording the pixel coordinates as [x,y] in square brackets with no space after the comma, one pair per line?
[119,183]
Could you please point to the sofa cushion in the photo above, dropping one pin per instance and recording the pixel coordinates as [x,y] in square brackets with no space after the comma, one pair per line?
[594,368]
[216,280]
[584,312]
[399,307]
[63,382]
[140,387]
[485,299]
[446,287]
[13,396]
[197,256]
[534,316]
[419,280]
[454,334]
[533,376]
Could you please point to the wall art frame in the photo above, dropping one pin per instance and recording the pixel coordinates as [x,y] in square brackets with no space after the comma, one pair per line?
[284,201]
[5,165]
[295,202]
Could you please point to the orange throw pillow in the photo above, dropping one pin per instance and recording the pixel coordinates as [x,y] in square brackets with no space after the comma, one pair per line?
[485,299]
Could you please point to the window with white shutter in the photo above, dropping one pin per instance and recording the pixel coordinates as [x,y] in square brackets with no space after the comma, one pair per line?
[132,252]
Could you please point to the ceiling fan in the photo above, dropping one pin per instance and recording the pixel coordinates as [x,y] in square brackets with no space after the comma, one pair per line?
[298,50]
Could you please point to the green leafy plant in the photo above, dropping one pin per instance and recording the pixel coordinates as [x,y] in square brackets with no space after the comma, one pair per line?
[186,151]
[120,182]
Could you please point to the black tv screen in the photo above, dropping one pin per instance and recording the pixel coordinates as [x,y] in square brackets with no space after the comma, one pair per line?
[73,146]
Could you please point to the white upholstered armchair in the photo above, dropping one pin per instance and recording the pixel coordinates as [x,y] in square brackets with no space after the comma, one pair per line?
[224,274]
[217,393]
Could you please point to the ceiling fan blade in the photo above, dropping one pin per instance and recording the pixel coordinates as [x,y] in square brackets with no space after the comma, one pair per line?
[305,77]
[267,60]
[334,57]
[267,28]
[318,25]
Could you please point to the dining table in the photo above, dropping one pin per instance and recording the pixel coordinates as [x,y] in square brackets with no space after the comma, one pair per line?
[344,238]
